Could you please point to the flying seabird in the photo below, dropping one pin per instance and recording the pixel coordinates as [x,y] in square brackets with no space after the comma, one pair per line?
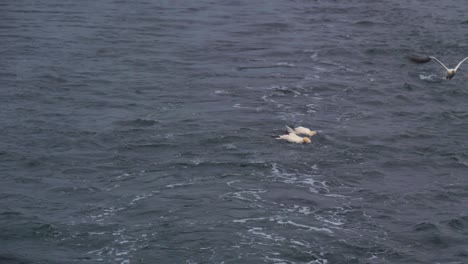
[301,131]
[450,72]
[293,138]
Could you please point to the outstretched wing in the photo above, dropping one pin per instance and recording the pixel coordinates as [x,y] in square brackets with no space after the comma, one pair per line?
[290,130]
[441,64]
[456,68]
[417,59]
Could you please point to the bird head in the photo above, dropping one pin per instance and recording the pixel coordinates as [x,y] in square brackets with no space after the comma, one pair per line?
[312,133]
[306,140]
[450,74]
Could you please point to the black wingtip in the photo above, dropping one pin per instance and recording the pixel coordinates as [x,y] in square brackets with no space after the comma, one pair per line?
[418,59]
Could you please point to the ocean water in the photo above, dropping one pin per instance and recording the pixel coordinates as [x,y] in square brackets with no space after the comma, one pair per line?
[142,132]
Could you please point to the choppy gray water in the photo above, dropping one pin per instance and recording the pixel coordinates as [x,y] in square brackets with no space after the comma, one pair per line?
[140,132]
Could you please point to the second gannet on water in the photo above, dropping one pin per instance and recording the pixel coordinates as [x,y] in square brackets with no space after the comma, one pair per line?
[293,138]
[450,72]
[301,131]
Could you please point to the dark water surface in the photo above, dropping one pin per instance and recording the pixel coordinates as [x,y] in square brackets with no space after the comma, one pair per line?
[140,132]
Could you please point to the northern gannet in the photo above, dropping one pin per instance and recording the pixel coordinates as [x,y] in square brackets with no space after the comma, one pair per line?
[301,131]
[293,138]
[450,72]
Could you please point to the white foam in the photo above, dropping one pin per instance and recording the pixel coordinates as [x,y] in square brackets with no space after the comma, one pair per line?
[221,92]
[248,219]
[311,77]
[298,209]
[285,64]
[244,195]
[258,232]
[257,109]
[313,55]
[310,228]
[175,185]
[427,77]
[300,243]
[336,195]
[303,209]
[96,233]
[282,261]
[276,260]
[229,183]
[320,69]
[140,197]
[120,249]
[107,212]
[299,179]
[318,261]
[229,146]
[332,222]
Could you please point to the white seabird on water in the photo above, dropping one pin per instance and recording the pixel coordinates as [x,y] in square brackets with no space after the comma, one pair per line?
[293,138]
[301,131]
[450,72]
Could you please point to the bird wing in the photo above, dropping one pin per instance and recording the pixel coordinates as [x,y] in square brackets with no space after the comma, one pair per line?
[290,130]
[460,63]
[438,61]
[293,138]
[302,130]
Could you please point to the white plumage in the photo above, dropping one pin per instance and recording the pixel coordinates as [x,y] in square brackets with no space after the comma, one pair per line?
[293,138]
[301,131]
[450,72]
